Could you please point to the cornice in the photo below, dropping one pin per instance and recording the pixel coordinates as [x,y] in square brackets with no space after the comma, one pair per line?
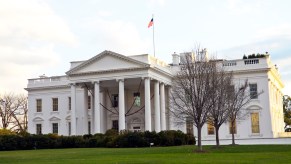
[162,71]
[109,71]
[102,54]
[250,70]
[47,87]
[277,77]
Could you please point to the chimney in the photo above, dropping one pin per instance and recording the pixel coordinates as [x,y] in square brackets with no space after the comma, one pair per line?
[203,55]
[175,58]
[185,55]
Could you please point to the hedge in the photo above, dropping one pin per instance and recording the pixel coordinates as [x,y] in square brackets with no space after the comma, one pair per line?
[110,139]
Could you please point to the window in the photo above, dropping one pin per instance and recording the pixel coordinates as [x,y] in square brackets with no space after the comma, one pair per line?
[55,128]
[55,104]
[136,96]
[69,128]
[70,103]
[38,105]
[253,91]
[230,91]
[114,100]
[89,102]
[136,128]
[210,128]
[189,126]
[234,128]
[89,127]
[187,96]
[115,124]
[38,129]
[255,122]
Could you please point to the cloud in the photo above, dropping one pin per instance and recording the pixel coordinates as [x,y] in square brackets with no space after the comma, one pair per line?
[157,2]
[278,46]
[276,43]
[33,20]
[104,13]
[29,32]
[282,30]
[118,35]
[240,7]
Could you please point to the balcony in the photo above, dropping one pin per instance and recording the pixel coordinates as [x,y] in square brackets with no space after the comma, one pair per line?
[245,64]
[44,81]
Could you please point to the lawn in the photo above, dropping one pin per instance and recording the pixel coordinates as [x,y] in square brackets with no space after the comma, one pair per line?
[179,154]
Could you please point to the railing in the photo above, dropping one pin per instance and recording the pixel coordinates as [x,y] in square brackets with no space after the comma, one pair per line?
[251,61]
[229,63]
[243,62]
[47,79]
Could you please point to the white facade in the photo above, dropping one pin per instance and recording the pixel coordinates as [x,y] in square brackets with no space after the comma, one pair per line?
[83,100]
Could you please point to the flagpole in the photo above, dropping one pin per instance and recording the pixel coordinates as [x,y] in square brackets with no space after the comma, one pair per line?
[154,37]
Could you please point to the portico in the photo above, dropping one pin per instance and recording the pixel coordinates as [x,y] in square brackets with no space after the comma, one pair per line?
[123,98]
[139,99]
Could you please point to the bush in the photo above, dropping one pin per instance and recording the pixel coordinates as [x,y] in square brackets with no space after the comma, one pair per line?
[100,140]
[72,142]
[191,139]
[9,142]
[152,137]
[258,55]
[6,132]
[110,139]
[131,139]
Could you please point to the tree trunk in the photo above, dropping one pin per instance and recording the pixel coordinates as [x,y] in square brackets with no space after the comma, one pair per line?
[199,138]
[217,136]
[232,134]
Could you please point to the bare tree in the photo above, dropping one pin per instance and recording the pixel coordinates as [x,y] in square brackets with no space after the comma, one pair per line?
[238,98]
[287,110]
[219,113]
[13,112]
[191,90]
[20,121]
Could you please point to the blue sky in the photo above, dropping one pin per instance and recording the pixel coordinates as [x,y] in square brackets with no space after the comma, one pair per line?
[42,37]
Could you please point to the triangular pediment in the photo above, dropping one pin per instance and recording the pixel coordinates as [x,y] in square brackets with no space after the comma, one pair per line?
[54,119]
[37,119]
[107,61]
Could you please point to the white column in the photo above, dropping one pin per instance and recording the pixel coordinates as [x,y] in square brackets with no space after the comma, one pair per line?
[85,129]
[163,107]
[73,109]
[92,111]
[121,105]
[103,114]
[170,115]
[157,108]
[97,107]
[147,103]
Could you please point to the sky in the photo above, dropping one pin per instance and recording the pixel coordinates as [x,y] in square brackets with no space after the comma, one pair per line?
[42,37]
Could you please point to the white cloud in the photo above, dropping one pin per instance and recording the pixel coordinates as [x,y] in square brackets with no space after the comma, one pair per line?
[33,20]
[276,40]
[157,2]
[281,30]
[240,7]
[29,31]
[287,88]
[104,13]
[119,36]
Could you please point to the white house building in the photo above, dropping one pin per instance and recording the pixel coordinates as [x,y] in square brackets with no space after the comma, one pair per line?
[111,90]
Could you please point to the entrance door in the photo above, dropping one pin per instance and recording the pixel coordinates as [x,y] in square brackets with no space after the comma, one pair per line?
[115,125]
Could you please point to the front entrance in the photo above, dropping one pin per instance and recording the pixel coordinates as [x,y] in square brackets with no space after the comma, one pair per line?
[136,125]
[115,125]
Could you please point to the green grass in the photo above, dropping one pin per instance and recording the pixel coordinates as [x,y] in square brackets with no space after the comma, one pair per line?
[180,154]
